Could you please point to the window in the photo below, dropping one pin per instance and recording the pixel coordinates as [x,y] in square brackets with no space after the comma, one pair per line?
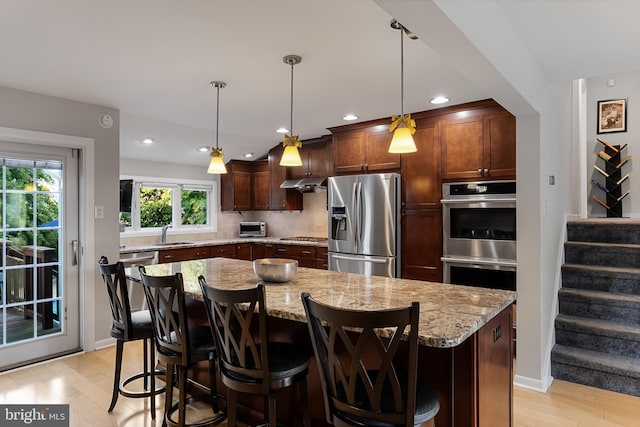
[184,205]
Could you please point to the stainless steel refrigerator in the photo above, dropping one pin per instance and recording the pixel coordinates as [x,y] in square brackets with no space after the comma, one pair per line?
[364,224]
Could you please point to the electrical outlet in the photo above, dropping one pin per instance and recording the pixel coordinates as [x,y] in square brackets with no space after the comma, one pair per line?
[99,212]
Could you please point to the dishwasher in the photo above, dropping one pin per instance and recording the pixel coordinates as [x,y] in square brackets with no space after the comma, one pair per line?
[132,260]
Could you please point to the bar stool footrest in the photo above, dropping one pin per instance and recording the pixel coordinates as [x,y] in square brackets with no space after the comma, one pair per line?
[218,419]
[122,389]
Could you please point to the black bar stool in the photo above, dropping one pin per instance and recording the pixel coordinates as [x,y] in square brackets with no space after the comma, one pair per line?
[366,379]
[248,362]
[180,347]
[129,326]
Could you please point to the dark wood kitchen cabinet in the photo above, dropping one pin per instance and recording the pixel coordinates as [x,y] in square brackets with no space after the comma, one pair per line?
[224,251]
[235,186]
[421,183]
[422,245]
[478,144]
[260,183]
[305,255]
[243,251]
[322,257]
[358,149]
[281,199]
[183,254]
[316,159]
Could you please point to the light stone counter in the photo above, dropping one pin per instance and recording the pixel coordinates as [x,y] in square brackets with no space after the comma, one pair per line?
[127,249]
[449,314]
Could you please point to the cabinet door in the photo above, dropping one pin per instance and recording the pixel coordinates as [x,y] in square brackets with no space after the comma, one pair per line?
[242,191]
[279,198]
[421,185]
[422,245]
[258,251]
[260,193]
[319,159]
[462,147]
[500,145]
[243,251]
[495,371]
[377,156]
[348,152]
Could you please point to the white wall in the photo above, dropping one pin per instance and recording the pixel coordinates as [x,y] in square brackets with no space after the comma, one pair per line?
[34,112]
[627,85]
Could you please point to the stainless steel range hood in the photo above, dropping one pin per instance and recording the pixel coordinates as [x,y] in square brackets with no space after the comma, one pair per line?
[306,185]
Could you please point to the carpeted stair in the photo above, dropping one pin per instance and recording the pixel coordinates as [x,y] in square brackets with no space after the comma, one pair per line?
[598,328]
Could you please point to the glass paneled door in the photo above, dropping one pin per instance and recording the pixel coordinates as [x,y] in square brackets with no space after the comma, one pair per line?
[38,271]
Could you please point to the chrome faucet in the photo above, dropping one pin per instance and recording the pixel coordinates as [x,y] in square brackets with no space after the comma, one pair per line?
[163,237]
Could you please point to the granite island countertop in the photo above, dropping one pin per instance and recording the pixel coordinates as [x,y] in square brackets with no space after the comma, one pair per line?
[449,314]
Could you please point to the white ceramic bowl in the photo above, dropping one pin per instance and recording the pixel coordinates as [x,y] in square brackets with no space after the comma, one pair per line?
[275,269]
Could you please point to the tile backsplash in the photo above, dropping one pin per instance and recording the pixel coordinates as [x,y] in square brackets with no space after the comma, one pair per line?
[311,221]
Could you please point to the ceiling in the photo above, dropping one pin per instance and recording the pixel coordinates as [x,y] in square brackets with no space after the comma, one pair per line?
[153,60]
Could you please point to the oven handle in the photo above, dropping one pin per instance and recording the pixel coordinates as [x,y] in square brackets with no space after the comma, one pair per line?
[453,201]
[510,264]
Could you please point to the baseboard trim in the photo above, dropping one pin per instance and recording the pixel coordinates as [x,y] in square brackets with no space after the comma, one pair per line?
[108,342]
[532,383]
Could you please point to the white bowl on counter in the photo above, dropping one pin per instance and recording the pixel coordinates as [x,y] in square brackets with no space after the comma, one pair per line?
[275,269]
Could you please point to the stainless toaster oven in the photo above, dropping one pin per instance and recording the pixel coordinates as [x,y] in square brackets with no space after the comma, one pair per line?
[253,229]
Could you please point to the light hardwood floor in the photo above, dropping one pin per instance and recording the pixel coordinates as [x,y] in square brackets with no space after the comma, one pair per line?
[84,381]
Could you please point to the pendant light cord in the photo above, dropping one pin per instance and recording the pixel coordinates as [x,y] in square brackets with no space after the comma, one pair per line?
[217,112]
[291,116]
[401,72]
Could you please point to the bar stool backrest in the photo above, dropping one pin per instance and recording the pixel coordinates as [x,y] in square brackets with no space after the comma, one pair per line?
[166,300]
[365,371]
[116,282]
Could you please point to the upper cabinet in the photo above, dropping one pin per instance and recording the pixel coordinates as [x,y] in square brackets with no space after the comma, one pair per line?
[235,186]
[316,159]
[421,183]
[281,199]
[363,149]
[478,144]
[260,182]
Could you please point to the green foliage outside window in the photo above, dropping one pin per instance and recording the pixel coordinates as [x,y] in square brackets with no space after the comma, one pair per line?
[155,207]
[193,205]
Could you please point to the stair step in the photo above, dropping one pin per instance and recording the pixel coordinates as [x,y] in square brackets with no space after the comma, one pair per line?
[596,369]
[598,335]
[601,278]
[605,254]
[621,308]
[604,231]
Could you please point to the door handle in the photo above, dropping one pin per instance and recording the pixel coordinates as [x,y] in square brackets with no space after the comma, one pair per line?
[74,249]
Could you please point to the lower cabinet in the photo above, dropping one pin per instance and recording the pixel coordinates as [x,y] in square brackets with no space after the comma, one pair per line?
[307,256]
[422,245]
[175,255]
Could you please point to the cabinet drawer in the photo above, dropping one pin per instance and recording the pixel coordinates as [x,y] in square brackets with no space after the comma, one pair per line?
[322,252]
[173,255]
[307,262]
[295,251]
[322,263]
[225,251]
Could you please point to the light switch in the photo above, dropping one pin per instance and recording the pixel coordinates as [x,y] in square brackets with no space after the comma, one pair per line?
[99,212]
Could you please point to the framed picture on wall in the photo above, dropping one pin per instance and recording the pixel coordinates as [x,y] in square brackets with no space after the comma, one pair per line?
[612,116]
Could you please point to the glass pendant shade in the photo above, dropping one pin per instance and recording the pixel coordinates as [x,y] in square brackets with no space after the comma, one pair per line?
[217,162]
[402,141]
[290,156]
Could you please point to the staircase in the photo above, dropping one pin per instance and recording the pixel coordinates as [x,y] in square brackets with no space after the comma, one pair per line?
[598,327]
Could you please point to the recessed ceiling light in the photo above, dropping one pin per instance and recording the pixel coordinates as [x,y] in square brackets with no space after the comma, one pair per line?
[282,130]
[350,117]
[203,149]
[248,155]
[439,100]
[147,141]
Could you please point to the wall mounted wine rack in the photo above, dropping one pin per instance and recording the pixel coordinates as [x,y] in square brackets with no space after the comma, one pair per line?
[612,178]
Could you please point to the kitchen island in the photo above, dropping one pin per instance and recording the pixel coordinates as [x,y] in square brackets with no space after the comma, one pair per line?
[465,333]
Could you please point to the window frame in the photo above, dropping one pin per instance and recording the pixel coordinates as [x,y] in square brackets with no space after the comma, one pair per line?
[176,185]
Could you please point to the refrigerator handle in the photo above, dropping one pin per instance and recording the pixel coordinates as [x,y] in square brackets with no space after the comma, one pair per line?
[356,216]
[352,258]
[360,216]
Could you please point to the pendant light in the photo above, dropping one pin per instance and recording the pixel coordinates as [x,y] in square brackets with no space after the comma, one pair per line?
[291,143]
[216,165]
[403,126]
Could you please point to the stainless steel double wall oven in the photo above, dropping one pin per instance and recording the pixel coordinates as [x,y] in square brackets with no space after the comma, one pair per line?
[479,233]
